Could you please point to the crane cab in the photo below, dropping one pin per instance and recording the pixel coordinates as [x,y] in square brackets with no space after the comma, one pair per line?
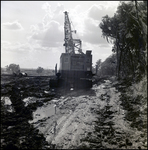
[76,70]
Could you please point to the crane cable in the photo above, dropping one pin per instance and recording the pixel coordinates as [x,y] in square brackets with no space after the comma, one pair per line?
[73,28]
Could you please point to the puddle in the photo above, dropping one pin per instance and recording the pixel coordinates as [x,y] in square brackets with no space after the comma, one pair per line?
[55,100]
[28,100]
[7,103]
[6,100]
[43,112]
[107,81]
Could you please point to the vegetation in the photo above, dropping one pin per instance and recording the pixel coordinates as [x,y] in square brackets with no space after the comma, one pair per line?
[13,68]
[127,30]
[108,67]
[39,70]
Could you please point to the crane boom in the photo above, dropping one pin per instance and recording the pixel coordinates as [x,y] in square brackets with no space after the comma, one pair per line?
[71,45]
[69,48]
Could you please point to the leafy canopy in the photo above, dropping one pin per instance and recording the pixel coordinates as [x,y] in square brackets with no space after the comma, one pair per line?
[127,30]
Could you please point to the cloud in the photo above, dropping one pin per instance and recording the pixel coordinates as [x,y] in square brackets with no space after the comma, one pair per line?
[49,35]
[59,9]
[27,55]
[88,23]
[50,32]
[95,12]
[5,43]
[58,14]
[15,46]
[91,31]
[98,52]
[46,6]
[46,19]
[46,34]
[12,26]
[53,36]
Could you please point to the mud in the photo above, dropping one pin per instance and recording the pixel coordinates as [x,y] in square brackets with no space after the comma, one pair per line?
[16,132]
[105,116]
[92,119]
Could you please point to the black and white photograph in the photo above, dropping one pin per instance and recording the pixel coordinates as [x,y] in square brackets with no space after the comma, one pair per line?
[74,74]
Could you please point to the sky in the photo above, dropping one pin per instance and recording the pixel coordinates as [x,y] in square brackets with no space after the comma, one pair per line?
[32,32]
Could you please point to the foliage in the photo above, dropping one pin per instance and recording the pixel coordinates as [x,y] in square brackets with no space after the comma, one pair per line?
[108,67]
[98,63]
[39,70]
[127,30]
[14,68]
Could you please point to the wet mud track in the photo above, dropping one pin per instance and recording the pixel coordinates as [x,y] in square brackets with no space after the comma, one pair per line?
[88,119]
[84,119]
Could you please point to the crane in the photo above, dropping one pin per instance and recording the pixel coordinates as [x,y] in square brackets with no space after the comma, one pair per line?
[75,67]
[71,45]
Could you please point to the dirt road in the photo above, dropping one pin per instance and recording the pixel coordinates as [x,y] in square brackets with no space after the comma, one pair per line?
[88,119]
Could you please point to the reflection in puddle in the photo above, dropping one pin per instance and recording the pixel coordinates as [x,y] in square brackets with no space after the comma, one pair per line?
[7,103]
[43,112]
[6,100]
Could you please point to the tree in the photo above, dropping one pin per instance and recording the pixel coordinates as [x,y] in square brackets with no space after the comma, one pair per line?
[98,63]
[14,68]
[108,67]
[127,31]
[39,70]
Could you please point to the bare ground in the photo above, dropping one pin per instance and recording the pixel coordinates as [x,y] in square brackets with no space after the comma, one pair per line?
[89,119]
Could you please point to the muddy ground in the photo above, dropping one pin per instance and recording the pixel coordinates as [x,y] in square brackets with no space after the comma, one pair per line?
[106,116]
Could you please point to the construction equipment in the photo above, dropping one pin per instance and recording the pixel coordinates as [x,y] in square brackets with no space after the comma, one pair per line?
[75,67]
[71,45]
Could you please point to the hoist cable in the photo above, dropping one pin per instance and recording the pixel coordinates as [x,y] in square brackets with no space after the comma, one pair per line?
[74,29]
